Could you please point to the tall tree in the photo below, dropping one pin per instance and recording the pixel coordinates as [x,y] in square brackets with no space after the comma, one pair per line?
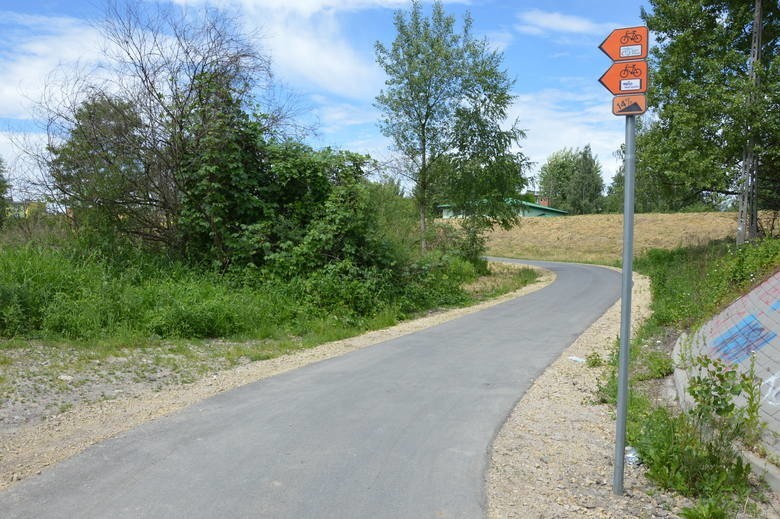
[586,188]
[571,180]
[445,100]
[555,175]
[710,110]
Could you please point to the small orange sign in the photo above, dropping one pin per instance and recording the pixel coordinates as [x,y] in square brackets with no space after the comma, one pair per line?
[626,77]
[629,105]
[626,44]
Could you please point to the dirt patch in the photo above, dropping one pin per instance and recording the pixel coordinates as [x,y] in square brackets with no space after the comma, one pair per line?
[129,398]
[598,238]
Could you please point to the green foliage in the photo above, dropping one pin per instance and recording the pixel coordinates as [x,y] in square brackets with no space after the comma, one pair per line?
[54,294]
[706,103]
[690,284]
[445,100]
[695,453]
[594,360]
[571,179]
[654,364]
[654,193]
[706,508]
[714,389]
[97,171]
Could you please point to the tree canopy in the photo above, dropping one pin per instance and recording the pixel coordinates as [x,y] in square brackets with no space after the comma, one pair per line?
[571,180]
[444,106]
[708,108]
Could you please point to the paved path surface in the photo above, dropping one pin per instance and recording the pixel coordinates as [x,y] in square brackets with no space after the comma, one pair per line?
[397,430]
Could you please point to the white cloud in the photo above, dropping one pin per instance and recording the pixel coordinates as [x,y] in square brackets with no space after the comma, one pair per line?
[21,169]
[335,117]
[34,46]
[312,50]
[538,22]
[309,7]
[499,40]
[556,119]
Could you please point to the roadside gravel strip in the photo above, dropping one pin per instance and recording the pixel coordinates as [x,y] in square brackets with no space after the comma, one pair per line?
[554,455]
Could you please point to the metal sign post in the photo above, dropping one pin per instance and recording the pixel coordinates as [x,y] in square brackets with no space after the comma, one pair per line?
[625,304]
[627,79]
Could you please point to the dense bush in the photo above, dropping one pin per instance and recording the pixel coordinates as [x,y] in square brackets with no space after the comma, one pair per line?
[46,292]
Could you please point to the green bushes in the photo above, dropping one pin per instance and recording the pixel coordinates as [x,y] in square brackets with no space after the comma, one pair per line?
[695,452]
[52,293]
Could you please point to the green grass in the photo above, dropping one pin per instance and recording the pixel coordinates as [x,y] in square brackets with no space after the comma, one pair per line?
[50,294]
[693,452]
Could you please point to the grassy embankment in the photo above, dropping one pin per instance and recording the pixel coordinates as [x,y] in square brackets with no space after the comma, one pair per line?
[696,452]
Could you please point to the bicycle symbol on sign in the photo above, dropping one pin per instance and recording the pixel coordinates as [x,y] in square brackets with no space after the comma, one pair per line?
[631,70]
[631,37]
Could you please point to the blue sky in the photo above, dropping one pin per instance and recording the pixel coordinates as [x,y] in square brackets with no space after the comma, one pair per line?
[323,51]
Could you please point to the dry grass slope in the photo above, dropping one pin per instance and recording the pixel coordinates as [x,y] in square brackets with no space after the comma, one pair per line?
[599,238]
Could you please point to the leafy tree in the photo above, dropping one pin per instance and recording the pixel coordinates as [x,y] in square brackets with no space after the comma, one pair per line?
[137,153]
[555,176]
[571,179]
[99,173]
[653,194]
[707,106]
[585,191]
[5,187]
[445,100]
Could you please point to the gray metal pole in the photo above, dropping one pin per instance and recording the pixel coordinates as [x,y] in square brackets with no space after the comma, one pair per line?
[625,304]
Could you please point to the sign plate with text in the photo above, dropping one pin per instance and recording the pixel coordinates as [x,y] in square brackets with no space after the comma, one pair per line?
[629,43]
[629,105]
[626,77]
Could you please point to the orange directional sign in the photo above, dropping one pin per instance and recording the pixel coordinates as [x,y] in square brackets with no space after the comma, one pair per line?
[629,43]
[626,77]
[629,105]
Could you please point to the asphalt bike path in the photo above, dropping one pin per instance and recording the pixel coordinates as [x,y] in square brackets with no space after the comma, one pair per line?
[400,429]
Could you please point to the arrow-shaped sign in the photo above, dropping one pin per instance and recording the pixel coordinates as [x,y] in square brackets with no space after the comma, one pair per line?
[629,43]
[626,77]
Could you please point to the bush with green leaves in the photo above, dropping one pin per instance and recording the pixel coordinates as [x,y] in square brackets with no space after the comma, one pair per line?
[697,452]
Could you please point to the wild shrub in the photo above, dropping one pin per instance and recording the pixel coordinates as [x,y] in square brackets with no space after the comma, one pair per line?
[696,452]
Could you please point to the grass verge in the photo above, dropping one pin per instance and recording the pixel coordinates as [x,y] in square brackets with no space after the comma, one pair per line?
[696,452]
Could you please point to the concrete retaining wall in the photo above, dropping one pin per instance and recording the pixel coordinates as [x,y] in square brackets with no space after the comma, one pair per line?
[749,326]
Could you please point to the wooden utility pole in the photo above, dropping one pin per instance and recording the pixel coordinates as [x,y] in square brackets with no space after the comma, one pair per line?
[747,224]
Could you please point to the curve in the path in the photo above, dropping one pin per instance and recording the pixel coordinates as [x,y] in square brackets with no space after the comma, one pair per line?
[397,430]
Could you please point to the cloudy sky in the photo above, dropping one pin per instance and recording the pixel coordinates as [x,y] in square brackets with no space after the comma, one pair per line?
[323,51]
